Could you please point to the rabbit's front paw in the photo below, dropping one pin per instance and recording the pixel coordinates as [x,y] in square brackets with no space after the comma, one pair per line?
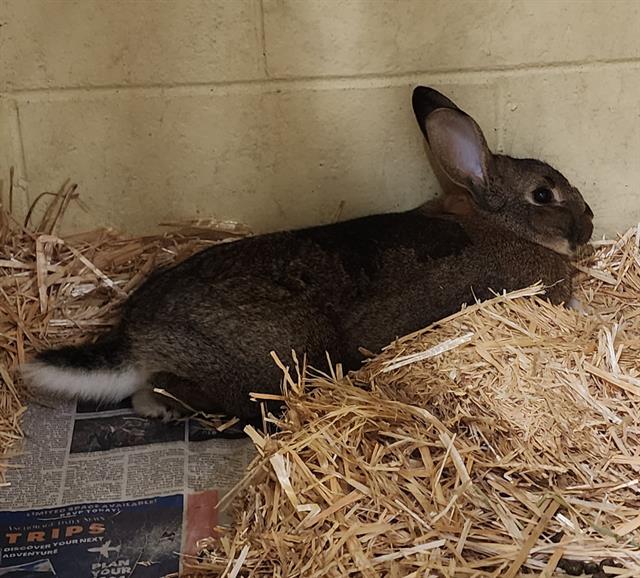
[146,404]
[577,305]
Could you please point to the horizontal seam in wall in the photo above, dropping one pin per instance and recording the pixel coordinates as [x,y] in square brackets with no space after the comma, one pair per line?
[345,82]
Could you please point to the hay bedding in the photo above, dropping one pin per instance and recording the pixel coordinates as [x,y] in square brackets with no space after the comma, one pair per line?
[499,442]
[55,290]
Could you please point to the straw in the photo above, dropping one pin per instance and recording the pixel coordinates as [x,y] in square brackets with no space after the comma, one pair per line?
[502,441]
[63,289]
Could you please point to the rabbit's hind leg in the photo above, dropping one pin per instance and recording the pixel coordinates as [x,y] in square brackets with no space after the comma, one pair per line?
[180,397]
[216,343]
[148,403]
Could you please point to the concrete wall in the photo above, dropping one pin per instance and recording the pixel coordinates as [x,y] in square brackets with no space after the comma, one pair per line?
[283,113]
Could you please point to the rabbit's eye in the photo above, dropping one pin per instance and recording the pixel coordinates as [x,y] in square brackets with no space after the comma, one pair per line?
[543,196]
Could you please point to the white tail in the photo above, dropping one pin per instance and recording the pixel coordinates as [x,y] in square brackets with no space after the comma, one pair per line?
[98,384]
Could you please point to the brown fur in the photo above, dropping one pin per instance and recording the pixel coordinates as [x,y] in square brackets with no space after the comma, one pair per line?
[204,329]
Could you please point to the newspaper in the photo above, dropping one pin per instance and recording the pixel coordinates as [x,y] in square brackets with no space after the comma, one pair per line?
[101,492]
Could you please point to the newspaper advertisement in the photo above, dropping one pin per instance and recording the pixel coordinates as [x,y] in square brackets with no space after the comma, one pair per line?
[101,492]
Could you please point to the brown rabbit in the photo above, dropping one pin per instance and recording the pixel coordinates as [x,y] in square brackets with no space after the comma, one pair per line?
[204,329]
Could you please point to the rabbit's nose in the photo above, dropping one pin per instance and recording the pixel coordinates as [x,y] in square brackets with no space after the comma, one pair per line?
[585,229]
[587,210]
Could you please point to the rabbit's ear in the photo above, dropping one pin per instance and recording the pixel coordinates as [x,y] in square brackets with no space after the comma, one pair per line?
[459,147]
[425,100]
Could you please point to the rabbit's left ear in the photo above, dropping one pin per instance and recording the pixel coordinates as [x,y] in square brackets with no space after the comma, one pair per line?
[460,149]
[425,100]
[456,143]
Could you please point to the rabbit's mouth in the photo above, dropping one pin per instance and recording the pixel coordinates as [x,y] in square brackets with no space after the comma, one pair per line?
[572,246]
[561,246]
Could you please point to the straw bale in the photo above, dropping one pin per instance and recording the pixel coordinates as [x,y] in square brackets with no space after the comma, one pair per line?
[501,441]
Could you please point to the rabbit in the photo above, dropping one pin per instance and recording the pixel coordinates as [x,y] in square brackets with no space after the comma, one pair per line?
[205,328]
